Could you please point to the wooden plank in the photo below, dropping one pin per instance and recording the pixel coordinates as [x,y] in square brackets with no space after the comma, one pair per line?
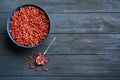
[67,44]
[78,23]
[63,65]
[65,6]
[59,78]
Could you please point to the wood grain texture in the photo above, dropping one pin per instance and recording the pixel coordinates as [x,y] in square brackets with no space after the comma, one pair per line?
[63,65]
[65,6]
[59,78]
[68,44]
[87,45]
[78,23]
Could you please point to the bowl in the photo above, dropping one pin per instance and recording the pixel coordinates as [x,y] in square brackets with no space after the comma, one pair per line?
[10,18]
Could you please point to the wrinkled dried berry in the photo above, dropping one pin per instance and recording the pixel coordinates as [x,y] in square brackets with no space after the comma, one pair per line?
[24,68]
[37,68]
[30,57]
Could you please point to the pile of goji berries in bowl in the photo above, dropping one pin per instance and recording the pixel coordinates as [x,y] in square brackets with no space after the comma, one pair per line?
[28,25]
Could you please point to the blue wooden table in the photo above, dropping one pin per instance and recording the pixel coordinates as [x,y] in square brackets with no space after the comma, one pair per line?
[87,45]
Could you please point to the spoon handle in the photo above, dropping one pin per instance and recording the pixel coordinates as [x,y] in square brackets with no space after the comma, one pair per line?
[49,45]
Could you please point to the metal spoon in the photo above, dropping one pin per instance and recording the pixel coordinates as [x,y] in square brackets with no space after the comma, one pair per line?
[42,56]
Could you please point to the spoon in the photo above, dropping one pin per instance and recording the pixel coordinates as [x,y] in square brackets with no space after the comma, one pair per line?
[40,59]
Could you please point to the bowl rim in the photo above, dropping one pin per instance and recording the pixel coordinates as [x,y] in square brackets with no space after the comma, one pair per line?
[9,19]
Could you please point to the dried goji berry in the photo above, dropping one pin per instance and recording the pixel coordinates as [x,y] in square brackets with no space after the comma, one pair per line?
[29,26]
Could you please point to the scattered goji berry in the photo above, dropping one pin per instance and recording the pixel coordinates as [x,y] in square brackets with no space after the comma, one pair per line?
[37,68]
[33,62]
[30,57]
[26,59]
[45,68]
[24,68]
